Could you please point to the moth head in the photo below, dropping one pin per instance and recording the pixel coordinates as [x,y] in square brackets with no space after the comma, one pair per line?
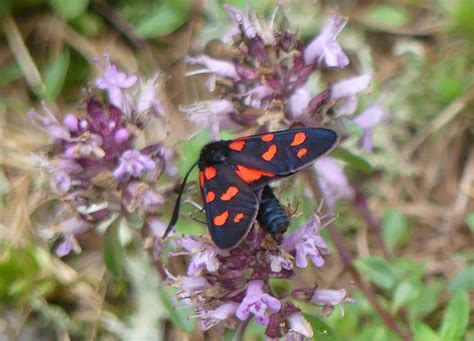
[213,153]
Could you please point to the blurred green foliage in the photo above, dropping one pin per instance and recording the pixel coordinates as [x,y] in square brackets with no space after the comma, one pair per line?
[381,15]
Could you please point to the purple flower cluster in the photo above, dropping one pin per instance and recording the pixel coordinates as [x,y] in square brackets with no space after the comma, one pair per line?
[267,85]
[94,164]
[230,286]
[100,172]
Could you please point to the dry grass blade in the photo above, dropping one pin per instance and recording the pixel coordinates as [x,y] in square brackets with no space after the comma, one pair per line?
[22,55]
[443,118]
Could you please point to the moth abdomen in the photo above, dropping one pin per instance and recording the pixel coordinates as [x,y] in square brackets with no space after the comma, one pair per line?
[271,215]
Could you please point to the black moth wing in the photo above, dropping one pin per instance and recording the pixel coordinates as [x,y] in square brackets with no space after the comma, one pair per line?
[281,153]
[231,205]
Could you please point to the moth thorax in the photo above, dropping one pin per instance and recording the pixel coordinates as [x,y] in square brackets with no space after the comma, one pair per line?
[213,153]
[271,216]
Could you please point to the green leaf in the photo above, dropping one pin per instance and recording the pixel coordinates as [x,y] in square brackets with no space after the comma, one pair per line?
[469,256]
[259,6]
[143,322]
[69,8]
[470,222]
[464,280]
[88,24]
[55,75]
[135,221]
[178,4]
[409,268]
[254,331]
[179,313]
[164,19]
[189,152]
[448,80]
[455,318]
[427,300]
[461,16]
[352,128]
[422,332]
[10,73]
[113,252]
[379,271]
[404,293]
[322,331]
[386,16]
[354,160]
[349,322]
[374,332]
[394,227]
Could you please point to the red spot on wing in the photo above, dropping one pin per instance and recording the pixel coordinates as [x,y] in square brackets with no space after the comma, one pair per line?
[210,172]
[249,175]
[298,139]
[302,152]
[230,193]
[267,137]
[237,145]
[210,196]
[201,178]
[270,153]
[238,217]
[220,219]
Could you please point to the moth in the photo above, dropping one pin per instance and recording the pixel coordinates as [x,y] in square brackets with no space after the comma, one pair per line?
[234,176]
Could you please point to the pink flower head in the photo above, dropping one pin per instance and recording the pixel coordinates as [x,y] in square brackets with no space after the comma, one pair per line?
[344,92]
[277,263]
[71,122]
[121,136]
[333,182]
[349,87]
[329,297]
[212,115]
[89,146]
[147,100]
[49,123]
[133,164]
[299,326]
[241,21]
[369,119]
[212,317]
[155,241]
[194,284]
[218,67]
[191,288]
[299,101]
[62,181]
[114,81]
[139,195]
[257,302]
[203,252]
[254,97]
[306,242]
[66,246]
[167,155]
[70,228]
[325,48]
[60,171]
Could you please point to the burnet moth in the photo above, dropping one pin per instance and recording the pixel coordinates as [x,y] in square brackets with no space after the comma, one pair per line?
[234,177]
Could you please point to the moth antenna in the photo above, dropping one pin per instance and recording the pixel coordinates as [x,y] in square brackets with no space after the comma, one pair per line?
[175,216]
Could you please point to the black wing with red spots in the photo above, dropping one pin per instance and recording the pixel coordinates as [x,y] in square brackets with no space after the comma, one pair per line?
[232,173]
[259,159]
[231,205]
